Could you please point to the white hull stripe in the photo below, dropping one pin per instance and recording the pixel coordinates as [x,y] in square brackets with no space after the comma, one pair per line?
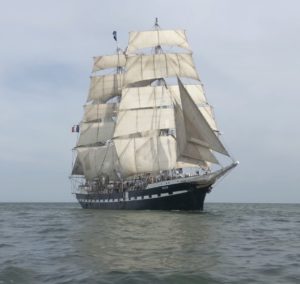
[137,198]
[200,180]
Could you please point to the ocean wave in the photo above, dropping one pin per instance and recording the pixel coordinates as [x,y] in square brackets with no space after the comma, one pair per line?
[14,274]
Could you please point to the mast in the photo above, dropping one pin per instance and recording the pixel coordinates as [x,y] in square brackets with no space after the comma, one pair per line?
[96,153]
[144,133]
[137,122]
[119,54]
[157,48]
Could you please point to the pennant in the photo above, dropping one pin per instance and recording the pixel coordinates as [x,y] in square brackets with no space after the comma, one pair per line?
[115,35]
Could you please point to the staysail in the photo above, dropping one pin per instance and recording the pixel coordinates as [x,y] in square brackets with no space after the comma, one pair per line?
[195,131]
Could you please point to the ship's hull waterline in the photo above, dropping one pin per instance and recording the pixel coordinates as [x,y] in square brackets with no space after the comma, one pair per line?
[175,197]
[179,194]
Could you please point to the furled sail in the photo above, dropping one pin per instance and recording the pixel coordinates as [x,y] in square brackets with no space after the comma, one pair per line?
[193,128]
[97,161]
[109,61]
[146,39]
[105,87]
[155,66]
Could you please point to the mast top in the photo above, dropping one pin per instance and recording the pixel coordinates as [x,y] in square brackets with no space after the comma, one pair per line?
[156,25]
[114,33]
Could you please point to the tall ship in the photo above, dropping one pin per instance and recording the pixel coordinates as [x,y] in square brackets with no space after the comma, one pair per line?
[148,139]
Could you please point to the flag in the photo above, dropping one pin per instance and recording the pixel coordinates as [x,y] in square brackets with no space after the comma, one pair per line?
[115,35]
[75,128]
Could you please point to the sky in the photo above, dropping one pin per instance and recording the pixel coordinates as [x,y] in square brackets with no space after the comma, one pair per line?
[247,54]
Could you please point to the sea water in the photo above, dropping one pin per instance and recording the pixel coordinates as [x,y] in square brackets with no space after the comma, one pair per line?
[227,243]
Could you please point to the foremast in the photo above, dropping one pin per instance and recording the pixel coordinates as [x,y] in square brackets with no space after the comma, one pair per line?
[96,155]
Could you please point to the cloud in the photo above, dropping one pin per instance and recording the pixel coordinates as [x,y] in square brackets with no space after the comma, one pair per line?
[247,54]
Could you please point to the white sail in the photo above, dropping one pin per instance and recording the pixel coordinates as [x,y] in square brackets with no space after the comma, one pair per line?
[155,66]
[146,154]
[197,129]
[145,97]
[197,94]
[91,133]
[105,87]
[207,112]
[146,39]
[109,61]
[187,150]
[97,161]
[160,96]
[99,112]
[77,167]
[157,96]
[195,90]
[142,120]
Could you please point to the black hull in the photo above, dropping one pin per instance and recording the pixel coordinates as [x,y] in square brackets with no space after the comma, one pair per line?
[184,196]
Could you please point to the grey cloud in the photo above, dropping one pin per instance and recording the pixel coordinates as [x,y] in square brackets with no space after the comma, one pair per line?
[247,53]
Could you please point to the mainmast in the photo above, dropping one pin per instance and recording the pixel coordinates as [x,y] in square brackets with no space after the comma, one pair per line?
[144,134]
[157,48]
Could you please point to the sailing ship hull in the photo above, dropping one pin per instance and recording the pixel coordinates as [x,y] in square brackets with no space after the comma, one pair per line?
[185,196]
